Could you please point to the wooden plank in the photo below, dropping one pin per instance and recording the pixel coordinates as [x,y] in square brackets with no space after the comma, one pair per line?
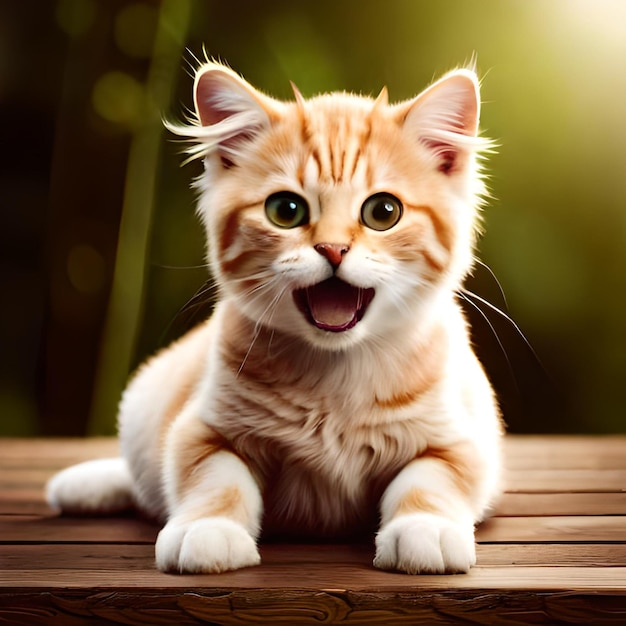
[561,481]
[56,447]
[55,452]
[35,529]
[339,577]
[571,554]
[77,557]
[25,478]
[23,501]
[534,504]
[565,451]
[551,529]
[140,557]
[552,555]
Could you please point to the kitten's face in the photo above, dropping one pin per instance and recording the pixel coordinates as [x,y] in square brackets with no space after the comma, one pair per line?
[334,222]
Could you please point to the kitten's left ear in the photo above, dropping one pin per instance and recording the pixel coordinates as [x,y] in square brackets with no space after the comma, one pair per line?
[230,113]
[230,106]
[444,118]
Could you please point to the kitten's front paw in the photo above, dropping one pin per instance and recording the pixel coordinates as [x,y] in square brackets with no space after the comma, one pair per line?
[206,546]
[422,543]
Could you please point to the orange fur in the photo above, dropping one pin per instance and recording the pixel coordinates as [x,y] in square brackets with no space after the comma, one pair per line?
[416,501]
[183,379]
[460,461]
[426,368]
[193,445]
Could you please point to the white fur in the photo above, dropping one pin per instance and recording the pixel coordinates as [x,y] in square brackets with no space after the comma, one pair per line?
[423,543]
[205,546]
[221,471]
[99,486]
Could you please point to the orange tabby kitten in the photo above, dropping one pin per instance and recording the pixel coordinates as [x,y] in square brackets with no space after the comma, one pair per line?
[335,382]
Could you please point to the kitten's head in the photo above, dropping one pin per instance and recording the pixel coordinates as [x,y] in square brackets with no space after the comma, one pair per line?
[337,219]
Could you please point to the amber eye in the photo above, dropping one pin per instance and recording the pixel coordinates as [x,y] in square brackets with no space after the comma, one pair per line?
[381,211]
[287,210]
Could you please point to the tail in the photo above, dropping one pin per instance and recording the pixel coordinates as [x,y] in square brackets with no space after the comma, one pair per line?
[99,487]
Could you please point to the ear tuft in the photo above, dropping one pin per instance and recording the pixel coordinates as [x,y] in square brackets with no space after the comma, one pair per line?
[297,94]
[382,100]
[445,117]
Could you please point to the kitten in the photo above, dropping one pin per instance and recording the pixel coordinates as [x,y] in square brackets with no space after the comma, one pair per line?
[334,385]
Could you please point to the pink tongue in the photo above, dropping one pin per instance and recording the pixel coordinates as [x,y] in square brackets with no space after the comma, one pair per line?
[333,303]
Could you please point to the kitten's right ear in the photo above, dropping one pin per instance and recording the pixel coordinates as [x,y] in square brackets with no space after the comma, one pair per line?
[230,112]
[444,118]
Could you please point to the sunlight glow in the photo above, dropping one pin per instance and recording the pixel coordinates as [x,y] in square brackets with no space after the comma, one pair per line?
[604,21]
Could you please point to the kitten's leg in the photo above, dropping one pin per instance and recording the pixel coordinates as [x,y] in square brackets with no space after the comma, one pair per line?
[102,486]
[428,513]
[214,503]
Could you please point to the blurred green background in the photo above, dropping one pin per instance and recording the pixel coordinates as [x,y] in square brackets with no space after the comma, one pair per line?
[100,247]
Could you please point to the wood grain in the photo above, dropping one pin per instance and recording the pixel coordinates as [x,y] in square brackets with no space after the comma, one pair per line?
[538,504]
[245,607]
[553,553]
[36,529]
[140,557]
[570,480]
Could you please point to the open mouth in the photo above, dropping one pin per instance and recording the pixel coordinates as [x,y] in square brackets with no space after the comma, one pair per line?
[333,305]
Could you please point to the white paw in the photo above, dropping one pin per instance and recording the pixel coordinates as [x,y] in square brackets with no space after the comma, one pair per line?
[99,486]
[209,545]
[422,543]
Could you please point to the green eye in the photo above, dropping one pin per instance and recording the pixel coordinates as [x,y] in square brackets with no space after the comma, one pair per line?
[381,211]
[287,210]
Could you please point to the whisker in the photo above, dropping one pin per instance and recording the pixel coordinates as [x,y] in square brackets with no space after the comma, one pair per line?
[469,295]
[262,274]
[269,343]
[208,287]
[256,292]
[161,266]
[255,336]
[466,297]
[495,279]
[187,315]
[259,325]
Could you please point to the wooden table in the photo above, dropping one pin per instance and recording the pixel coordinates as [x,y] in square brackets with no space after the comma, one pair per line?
[555,553]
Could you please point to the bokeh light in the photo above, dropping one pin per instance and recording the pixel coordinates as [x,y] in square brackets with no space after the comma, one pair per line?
[118,98]
[75,18]
[86,269]
[135,27]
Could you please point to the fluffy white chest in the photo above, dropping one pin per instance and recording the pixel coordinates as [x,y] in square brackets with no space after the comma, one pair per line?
[323,451]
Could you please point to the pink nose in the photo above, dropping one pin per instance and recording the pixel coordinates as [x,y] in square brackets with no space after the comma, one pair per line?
[332,252]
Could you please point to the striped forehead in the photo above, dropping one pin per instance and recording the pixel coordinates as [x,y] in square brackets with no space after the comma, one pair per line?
[335,144]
